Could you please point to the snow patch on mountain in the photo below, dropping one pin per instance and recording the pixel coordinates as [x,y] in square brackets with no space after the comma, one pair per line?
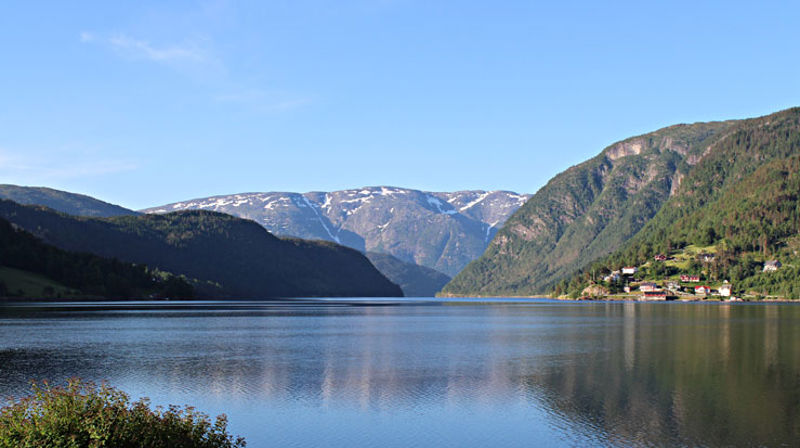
[321,220]
[475,202]
[436,202]
[412,225]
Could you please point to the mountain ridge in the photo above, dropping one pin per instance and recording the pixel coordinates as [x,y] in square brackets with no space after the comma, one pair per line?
[598,207]
[741,199]
[586,212]
[63,201]
[440,230]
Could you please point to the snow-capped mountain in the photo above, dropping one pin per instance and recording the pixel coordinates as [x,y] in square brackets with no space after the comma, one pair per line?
[444,231]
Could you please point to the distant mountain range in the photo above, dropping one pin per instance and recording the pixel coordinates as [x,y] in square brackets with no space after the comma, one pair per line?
[442,231]
[225,256]
[450,217]
[730,186]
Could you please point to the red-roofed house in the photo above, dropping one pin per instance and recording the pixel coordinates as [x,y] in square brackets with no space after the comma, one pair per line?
[655,295]
[702,290]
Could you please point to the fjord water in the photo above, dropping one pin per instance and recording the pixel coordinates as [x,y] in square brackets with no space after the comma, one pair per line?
[425,373]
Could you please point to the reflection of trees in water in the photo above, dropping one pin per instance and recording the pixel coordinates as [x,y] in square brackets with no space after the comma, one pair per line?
[367,358]
[690,375]
[653,373]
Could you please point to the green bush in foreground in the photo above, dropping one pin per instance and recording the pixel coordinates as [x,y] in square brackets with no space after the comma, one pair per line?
[85,415]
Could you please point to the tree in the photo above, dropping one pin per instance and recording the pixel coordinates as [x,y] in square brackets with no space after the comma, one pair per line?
[85,415]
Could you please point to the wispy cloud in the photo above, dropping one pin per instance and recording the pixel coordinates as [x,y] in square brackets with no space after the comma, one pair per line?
[191,51]
[196,59]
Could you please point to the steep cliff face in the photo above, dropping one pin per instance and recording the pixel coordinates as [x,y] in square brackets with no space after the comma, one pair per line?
[443,231]
[740,201]
[586,212]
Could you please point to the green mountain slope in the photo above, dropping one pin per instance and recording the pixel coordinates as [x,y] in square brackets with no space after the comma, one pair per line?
[239,255]
[413,279]
[62,201]
[586,212]
[742,199]
[30,268]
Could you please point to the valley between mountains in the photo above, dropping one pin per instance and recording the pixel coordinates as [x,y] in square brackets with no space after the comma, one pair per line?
[442,231]
[725,193]
[413,238]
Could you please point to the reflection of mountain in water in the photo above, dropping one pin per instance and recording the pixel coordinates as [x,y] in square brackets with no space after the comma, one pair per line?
[569,374]
[365,359]
[685,375]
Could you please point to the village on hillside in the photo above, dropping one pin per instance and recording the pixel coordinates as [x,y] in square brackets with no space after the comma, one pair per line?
[681,276]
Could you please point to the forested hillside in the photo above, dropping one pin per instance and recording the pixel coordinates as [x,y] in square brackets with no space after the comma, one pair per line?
[82,274]
[743,200]
[586,212]
[238,255]
[62,201]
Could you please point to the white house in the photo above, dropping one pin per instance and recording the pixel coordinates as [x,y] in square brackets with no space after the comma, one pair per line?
[702,290]
[630,270]
[726,289]
[772,265]
[648,287]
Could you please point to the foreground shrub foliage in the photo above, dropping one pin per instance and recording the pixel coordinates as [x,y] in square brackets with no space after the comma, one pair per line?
[83,414]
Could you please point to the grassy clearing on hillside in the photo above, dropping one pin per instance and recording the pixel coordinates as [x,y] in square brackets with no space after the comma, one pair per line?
[27,284]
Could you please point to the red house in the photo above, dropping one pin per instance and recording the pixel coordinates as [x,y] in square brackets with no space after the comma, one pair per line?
[660,257]
[690,278]
[655,295]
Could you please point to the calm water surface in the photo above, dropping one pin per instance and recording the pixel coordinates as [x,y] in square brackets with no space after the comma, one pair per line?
[358,373]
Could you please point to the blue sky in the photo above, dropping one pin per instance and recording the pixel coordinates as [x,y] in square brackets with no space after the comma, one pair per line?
[144,103]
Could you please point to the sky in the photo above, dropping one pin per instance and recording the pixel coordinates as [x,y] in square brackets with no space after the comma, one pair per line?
[150,102]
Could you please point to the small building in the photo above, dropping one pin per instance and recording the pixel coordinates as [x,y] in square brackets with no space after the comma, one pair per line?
[660,257]
[630,270]
[772,265]
[655,295]
[690,278]
[626,288]
[706,258]
[673,286]
[726,289]
[612,277]
[702,290]
[647,286]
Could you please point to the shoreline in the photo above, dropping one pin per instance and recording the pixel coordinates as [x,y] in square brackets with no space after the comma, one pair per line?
[623,298]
